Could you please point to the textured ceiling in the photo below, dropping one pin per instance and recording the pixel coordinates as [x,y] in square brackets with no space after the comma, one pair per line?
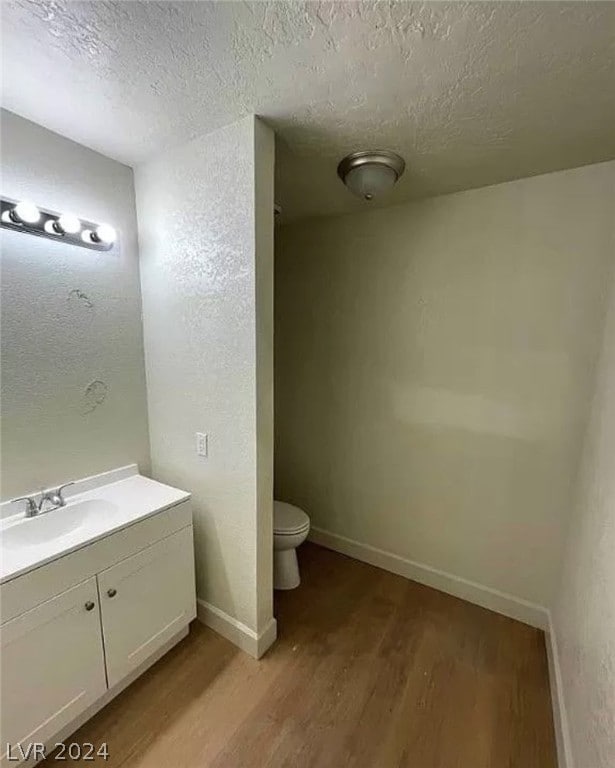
[469,93]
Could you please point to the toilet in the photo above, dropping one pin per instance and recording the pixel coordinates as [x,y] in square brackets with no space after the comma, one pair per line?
[290,529]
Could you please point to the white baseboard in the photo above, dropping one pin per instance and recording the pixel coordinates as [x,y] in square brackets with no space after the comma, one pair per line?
[560,716]
[238,633]
[266,638]
[500,602]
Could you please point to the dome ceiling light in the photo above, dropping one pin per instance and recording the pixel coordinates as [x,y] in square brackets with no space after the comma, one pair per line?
[371,173]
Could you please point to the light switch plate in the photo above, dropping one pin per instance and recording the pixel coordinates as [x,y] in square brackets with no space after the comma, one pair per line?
[201,444]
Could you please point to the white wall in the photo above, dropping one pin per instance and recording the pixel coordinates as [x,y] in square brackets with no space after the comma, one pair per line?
[434,367]
[70,316]
[206,261]
[584,609]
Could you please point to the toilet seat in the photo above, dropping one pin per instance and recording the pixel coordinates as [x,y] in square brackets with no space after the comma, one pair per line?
[289,520]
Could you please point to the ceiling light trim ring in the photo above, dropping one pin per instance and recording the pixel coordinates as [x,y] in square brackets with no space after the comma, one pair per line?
[371,157]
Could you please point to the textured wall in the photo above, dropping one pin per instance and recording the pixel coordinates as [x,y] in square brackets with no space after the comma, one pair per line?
[70,318]
[198,233]
[434,368]
[584,609]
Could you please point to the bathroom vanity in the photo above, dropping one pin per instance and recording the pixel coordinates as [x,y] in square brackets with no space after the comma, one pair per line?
[91,594]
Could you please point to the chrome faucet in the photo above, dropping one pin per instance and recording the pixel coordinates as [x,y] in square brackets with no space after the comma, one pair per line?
[53,496]
[32,509]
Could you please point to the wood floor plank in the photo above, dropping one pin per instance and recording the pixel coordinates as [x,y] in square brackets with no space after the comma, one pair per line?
[370,671]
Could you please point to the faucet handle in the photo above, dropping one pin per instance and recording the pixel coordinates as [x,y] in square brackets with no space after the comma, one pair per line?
[54,496]
[58,493]
[31,505]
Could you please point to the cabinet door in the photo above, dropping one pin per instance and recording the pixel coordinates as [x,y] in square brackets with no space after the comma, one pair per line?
[52,665]
[145,600]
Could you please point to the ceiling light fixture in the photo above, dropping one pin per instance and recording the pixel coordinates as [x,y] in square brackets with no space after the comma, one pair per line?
[371,173]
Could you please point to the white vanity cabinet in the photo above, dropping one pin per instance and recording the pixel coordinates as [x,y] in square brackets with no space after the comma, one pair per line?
[144,601]
[79,629]
[52,665]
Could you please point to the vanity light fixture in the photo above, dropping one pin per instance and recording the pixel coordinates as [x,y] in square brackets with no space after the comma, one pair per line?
[102,234]
[24,216]
[24,212]
[67,224]
[369,174]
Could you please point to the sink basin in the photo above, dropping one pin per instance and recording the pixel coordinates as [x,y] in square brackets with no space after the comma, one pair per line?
[42,529]
[120,499]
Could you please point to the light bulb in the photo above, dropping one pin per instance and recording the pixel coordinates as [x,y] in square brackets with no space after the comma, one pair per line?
[68,223]
[25,212]
[104,233]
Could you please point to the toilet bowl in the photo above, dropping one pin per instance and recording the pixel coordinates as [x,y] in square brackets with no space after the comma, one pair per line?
[290,529]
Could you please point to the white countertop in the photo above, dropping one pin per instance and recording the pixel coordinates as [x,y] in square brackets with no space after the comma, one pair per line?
[92,515]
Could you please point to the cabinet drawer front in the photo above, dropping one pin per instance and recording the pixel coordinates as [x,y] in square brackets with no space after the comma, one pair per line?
[145,600]
[52,666]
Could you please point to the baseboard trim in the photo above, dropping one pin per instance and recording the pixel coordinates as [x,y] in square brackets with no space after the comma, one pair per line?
[266,638]
[560,715]
[236,631]
[500,602]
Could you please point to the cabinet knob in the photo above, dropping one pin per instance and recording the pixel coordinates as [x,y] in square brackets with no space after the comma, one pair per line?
[112,592]
[89,606]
